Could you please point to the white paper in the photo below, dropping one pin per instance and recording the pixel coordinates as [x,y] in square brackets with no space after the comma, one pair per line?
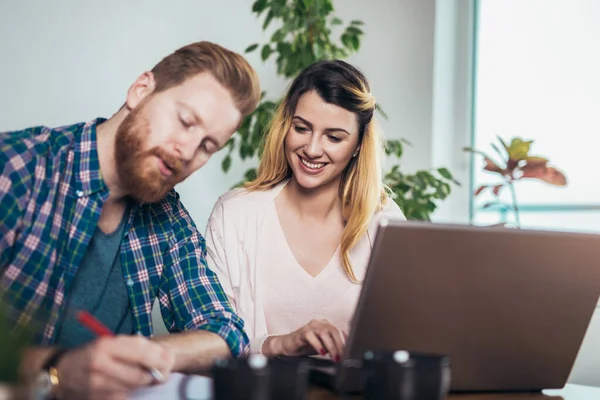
[177,387]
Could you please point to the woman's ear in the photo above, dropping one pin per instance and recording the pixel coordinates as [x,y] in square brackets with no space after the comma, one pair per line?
[356,152]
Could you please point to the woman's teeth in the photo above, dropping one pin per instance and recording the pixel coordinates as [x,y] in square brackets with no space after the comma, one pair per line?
[311,165]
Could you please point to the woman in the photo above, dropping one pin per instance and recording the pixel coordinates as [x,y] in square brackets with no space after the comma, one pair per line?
[291,248]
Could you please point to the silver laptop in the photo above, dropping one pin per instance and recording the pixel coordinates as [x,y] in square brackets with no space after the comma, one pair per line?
[510,307]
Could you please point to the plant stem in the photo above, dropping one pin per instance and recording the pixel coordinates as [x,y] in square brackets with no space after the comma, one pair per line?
[515,205]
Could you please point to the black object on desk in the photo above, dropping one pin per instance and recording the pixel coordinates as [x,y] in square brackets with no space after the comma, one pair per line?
[260,378]
[242,378]
[401,375]
[289,378]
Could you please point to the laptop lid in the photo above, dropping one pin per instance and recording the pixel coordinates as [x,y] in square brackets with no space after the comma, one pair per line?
[509,306]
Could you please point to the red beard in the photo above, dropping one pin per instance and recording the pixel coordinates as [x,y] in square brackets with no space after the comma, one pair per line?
[137,168]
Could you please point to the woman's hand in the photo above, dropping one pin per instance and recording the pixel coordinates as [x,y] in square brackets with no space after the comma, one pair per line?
[316,337]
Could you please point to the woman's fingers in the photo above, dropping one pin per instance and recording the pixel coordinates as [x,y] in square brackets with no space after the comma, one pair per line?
[326,337]
[340,342]
[311,337]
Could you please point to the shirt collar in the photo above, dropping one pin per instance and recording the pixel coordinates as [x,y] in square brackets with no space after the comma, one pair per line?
[87,174]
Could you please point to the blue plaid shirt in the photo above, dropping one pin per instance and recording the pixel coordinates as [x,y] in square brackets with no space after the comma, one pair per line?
[51,197]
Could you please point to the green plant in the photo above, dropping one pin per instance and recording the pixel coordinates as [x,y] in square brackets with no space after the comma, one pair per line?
[417,194]
[516,164]
[304,35]
[11,348]
[13,339]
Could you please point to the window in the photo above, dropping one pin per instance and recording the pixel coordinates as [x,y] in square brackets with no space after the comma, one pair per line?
[538,78]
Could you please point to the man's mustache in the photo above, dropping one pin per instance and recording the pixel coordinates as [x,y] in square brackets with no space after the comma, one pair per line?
[173,162]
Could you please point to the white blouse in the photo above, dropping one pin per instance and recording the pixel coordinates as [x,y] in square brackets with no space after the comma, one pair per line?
[267,287]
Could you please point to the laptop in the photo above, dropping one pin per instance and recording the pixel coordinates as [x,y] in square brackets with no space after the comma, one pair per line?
[510,307]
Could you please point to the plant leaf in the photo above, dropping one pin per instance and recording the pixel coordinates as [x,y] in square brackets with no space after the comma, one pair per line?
[497,150]
[259,6]
[251,48]
[336,21]
[266,52]
[226,164]
[549,175]
[497,189]
[268,19]
[490,165]
[353,30]
[380,110]
[479,190]
[250,174]
[519,149]
[445,173]
[536,161]
[355,42]
[506,148]
[394,147]
[347,41]
[230,144]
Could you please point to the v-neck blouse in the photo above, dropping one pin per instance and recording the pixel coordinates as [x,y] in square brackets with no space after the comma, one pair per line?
[259,277]
[292,297]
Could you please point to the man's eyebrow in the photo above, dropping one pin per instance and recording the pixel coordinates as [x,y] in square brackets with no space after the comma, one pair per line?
[191,110]
[199,121]
[310,125]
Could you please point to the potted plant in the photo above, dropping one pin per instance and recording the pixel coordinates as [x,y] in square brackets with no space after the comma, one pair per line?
[515,164]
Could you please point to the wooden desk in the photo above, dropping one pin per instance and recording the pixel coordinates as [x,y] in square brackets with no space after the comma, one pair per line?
[570,392]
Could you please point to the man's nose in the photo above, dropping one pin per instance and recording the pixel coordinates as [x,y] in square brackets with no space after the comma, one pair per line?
[313,148]
[187,143]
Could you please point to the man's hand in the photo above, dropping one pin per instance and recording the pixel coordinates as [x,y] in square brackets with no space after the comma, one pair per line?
[316,337]
[112,367]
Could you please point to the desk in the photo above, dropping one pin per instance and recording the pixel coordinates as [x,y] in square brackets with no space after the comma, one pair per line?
[570,392]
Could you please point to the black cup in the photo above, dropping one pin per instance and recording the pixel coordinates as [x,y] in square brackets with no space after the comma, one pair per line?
[402,375]
[242,378]
[289,378]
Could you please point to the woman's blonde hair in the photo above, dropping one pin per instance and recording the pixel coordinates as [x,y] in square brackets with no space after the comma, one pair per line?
[361,188]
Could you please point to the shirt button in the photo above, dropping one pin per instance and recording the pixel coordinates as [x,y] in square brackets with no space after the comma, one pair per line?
[129,282]
[79,193]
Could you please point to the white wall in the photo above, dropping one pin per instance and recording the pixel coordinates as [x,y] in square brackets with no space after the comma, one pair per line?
[67,61]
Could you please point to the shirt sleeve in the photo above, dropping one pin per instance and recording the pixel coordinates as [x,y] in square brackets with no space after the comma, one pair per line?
[10,214]
[13,188]
[227,271]
[216,256]
[191,295]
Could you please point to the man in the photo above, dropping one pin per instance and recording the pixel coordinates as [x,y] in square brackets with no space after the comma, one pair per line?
[89,220]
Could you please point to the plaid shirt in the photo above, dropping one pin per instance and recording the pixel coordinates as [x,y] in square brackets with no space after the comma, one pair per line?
[51,197]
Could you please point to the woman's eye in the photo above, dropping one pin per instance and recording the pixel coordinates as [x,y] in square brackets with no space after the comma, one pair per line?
[335,139]
[300,129]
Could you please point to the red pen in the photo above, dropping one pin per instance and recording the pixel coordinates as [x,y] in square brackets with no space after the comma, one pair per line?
[86,319]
